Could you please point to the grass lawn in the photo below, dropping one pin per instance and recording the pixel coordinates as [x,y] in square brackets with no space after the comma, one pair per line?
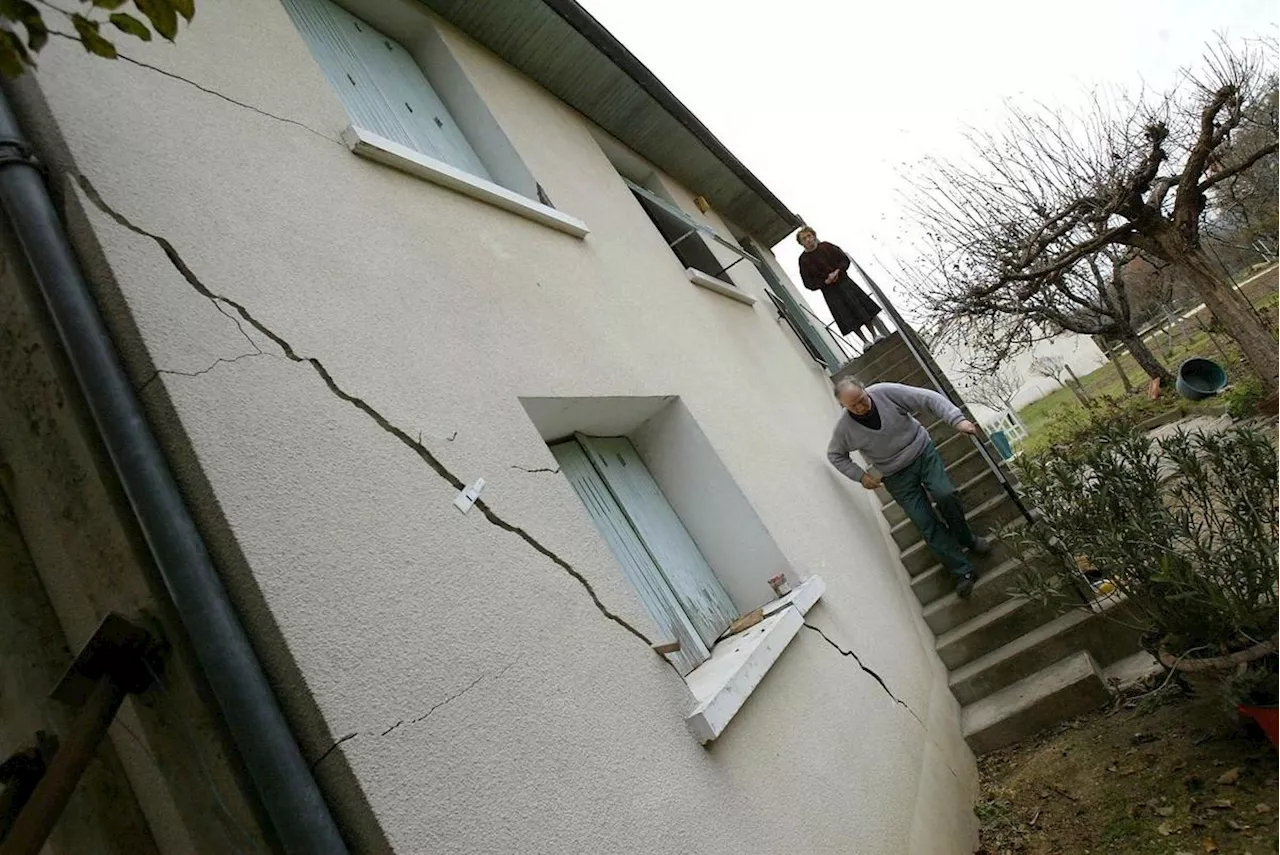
[1188,339]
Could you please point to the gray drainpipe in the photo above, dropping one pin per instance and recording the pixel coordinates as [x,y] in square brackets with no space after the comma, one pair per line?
[289,794]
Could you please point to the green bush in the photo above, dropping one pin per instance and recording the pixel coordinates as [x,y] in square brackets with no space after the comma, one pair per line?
[1243,399]
[1184,526]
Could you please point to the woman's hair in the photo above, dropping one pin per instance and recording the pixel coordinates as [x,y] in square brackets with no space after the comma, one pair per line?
[804,231]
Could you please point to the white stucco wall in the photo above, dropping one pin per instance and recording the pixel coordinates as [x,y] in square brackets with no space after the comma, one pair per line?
[484,703]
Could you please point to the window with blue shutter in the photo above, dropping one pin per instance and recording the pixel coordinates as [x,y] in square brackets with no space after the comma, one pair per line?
[660,560]
[381,85]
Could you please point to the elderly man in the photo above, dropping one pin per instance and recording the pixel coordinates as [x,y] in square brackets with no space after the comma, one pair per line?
[878,421]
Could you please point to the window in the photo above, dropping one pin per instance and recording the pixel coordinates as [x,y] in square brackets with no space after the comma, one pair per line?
[664,566]
[381,84]
[688,238]
[416,110]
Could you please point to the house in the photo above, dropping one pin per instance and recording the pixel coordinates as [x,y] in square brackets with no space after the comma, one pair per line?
[446,378]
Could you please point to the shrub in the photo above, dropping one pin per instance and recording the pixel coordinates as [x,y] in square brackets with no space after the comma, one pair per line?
[1244,398]
[1184,526]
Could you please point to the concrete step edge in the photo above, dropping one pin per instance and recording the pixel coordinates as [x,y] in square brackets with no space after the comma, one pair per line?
[1065,688]
[988,578]
[980,622]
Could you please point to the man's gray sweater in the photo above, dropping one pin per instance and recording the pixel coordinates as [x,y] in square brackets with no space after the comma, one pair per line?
[900,439]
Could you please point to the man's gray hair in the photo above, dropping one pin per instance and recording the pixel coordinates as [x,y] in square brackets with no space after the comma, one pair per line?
[844,384]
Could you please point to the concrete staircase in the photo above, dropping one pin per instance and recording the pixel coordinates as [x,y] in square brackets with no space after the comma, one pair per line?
[1016,666]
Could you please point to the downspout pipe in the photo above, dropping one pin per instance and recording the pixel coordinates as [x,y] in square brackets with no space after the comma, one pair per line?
[288,793]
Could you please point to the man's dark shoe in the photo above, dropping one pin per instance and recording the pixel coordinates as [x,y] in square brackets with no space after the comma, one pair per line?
[982,546]
[964,585]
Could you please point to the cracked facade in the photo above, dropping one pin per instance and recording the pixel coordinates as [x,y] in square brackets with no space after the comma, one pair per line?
[476,682]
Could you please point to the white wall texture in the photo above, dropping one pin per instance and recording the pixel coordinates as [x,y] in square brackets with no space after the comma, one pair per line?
[484,703]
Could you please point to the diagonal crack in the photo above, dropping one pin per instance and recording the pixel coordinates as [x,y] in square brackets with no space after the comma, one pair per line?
[411,721]
[360,404]
[221,360]
[896,699]
[228,98]
[533,471]
[332,747]
[205,89]
[873,674]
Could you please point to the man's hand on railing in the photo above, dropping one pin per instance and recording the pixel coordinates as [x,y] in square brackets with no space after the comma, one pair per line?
[967,427]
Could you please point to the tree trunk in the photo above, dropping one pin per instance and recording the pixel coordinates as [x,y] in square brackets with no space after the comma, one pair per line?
[1079,387]
[1146,359]
[1237,320]
[1124,377]
[1075,390]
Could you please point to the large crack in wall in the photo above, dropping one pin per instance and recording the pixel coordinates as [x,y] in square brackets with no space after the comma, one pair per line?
[414,445]
[239,315]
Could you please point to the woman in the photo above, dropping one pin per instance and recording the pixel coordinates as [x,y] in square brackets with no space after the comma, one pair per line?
[825,267]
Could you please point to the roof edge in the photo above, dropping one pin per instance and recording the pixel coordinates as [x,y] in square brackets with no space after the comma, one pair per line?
[594,32]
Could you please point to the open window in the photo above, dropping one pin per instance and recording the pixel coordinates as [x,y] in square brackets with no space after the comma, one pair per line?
[689,239]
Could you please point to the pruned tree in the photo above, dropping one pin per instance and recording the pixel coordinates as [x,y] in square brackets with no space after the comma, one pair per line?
[994,389]
[1032,237]
[91,23]
[1053,366]
[1108,349]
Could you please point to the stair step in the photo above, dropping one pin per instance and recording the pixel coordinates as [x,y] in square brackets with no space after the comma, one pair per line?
[880,356]
[916,556]
[1067,688]
[994,587]
[923,583]
[932,585]
[976,483]
[990,631]
[1099,634]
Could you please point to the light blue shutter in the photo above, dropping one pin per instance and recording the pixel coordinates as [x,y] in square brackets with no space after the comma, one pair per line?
[691,579]
[637,564]
[381,85]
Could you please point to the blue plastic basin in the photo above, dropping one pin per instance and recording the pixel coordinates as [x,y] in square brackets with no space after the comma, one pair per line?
[1200,378]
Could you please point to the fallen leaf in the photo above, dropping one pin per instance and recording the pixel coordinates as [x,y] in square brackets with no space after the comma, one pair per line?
[1209,845]
[1165,829]
[1221,804]
[1235,826]
[1111,768]
[1262,809]
[1230,776]
[1165,811]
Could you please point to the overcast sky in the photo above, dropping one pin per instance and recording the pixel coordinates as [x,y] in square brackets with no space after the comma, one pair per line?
[827,101]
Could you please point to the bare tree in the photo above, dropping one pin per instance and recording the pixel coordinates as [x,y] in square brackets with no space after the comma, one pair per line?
[1032,237]
[994,389]
[1053,367]
[1108,349]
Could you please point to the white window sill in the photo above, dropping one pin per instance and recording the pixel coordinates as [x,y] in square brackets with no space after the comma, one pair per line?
[722,684]
[374,147]
[702,280]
